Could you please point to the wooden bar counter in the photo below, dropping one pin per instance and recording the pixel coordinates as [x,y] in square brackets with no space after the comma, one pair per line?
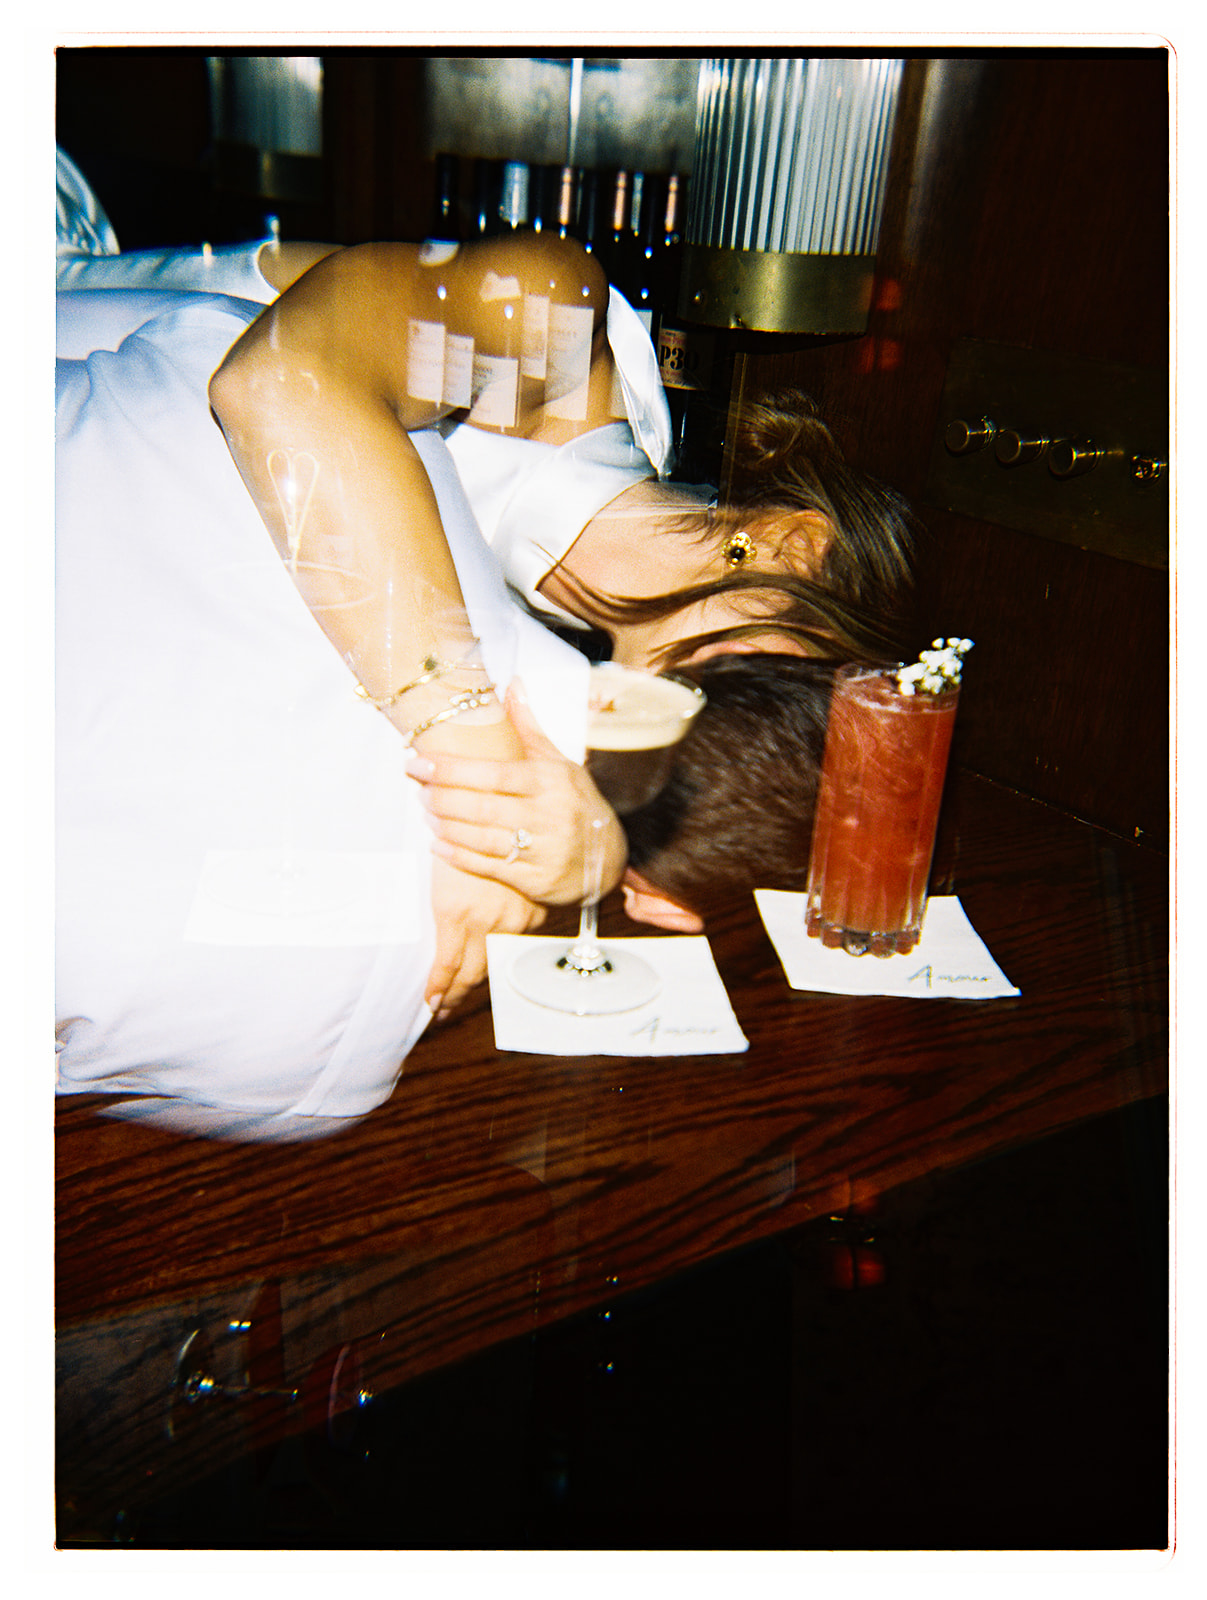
[497,1193]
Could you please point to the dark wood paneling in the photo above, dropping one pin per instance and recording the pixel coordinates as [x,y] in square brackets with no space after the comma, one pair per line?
[380,183]
[1067,691]
[1028,204]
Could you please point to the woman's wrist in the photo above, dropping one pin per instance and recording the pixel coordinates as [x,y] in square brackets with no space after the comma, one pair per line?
[448,685]
[481,731]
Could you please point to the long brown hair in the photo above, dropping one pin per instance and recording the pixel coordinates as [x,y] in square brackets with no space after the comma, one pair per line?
[858,605]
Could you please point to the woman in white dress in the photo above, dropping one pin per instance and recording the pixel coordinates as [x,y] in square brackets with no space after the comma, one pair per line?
[568,462]
[202,713]
[519,345]
[203,719]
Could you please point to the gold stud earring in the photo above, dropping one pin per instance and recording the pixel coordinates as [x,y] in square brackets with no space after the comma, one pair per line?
[739,549]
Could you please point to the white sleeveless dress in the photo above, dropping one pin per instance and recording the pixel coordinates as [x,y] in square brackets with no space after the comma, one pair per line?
[202,714]
[203,718]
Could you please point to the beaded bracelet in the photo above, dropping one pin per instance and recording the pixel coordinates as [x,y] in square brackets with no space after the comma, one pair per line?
[467,700]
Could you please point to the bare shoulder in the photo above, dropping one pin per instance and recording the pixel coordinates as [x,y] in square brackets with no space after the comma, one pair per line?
[283,262]
[541,263]
[526,264]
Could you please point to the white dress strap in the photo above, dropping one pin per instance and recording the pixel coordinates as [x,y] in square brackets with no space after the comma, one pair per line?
[532,500]
[637,368]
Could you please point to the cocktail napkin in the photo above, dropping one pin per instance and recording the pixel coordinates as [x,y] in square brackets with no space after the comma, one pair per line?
[949,962]
[690,1016]
[329,899]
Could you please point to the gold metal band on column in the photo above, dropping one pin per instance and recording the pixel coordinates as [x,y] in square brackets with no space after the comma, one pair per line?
[776,292]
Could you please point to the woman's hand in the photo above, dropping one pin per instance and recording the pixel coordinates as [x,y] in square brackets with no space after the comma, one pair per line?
[467,909]
[521,823]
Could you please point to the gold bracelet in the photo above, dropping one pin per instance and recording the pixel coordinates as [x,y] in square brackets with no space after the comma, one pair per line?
[433,668]
[467,700]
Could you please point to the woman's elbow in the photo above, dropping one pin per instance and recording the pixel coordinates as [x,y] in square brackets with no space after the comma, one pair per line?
[255,365]
[230,387]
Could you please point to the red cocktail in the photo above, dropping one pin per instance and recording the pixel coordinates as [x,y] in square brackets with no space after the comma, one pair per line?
[877,811]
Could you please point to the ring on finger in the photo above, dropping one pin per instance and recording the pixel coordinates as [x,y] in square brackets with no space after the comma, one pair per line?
[521,840]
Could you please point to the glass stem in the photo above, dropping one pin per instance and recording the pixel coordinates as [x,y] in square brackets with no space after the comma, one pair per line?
[586,944]
[585,955]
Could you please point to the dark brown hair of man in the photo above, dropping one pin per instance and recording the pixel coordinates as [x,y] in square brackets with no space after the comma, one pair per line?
[737,812]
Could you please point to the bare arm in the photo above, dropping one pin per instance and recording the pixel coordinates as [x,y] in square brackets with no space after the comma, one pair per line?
[316,400]
[321,390]
[309,400]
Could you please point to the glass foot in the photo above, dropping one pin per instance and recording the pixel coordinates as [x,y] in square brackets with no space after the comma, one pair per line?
[621,982]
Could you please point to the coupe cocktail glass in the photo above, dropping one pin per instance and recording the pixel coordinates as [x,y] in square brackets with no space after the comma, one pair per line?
[878,809]
[634,721]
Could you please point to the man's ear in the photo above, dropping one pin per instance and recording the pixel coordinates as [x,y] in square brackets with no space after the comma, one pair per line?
[644,903]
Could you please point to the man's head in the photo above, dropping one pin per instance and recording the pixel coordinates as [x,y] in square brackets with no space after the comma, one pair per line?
[737,812]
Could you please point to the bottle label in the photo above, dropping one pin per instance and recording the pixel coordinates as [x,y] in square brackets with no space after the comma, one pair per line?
[425,360]
[496,390]
[535,337]
[684,359]
[568,363]
[458,371]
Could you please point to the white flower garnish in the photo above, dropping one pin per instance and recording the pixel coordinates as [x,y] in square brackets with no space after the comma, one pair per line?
[936,669]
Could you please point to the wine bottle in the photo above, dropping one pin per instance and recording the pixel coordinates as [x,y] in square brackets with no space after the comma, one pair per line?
[492,366]
[446,207]
[531,206]
[616,259]
[565,217]
[644,287]
[670,241]
[591,221]
[543,195]
[570,330]
[514,197]
[688,362]
[440,361]
[487,176]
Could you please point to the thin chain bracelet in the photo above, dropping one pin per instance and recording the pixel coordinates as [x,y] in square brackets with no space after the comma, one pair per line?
[467,700]
[433,668]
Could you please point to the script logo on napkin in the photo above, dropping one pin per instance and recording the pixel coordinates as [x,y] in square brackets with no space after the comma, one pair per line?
[949,962]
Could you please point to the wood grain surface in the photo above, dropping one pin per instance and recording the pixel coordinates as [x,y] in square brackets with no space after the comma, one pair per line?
[496,1192]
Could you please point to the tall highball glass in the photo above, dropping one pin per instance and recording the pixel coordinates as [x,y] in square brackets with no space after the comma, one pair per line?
[877,811]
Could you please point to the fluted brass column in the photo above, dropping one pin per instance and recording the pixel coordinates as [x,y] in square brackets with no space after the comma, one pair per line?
[787,190]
